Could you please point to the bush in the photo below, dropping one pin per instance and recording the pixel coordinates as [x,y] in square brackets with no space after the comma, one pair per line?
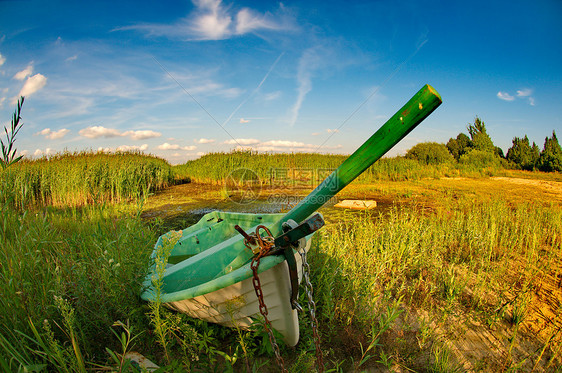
[430,153]
[480,159]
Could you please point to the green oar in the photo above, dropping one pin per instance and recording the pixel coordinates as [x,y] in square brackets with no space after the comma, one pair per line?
[405,120]
[206,271]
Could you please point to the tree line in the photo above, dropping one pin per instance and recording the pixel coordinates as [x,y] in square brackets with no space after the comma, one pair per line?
[478,149]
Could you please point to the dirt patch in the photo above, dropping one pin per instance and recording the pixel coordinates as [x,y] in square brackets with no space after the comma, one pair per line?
[515,190]
[548,186]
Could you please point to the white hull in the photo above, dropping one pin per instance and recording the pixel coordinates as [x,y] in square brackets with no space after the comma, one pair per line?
[237,305]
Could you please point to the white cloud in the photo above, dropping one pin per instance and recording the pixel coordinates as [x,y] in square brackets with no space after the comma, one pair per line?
[315,133]
[286,144]
[242,120]
[335,130]
[40,153]
[210,20]
[278,145]
[99,131]
[200,154]
[308,63]
[248,21]
[141,135]
[168,146]
[21,75]
[242,142]
[205,141]
[53,135]
[32,85]
[505,96]
[524,93]
[272,96]
[2,59]
[127,148]
[72,58]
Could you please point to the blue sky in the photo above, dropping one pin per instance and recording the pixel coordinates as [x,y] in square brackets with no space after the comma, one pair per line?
[179,78]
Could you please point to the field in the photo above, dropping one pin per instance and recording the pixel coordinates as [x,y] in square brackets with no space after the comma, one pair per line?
[456,270]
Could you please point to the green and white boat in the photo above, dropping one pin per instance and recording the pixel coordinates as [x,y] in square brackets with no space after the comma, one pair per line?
[208,273]
[206,281]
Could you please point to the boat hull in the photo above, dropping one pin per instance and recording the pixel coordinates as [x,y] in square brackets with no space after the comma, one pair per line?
[237,305]
[219,289]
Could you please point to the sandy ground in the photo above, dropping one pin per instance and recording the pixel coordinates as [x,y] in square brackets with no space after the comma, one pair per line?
[548,186]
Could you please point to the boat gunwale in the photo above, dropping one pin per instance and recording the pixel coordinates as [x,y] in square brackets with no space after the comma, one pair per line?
[232,277]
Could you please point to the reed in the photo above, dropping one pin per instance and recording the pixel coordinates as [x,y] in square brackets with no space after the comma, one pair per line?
[82,178]
[291,168]
[215,167]
[66,276]
[474,258]
[386,288]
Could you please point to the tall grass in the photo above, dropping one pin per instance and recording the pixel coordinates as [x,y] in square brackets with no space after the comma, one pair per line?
[275,168]
[68,275]
[215,167]
[476,259]
[76,179]
[65,278]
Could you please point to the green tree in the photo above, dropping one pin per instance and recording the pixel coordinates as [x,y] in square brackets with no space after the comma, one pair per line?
[523,154]
[480,138]
[551,156]
[459,146]
[430,153]
[499,152]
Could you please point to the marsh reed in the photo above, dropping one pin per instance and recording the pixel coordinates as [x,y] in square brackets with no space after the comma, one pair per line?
[216,167]
[82,178]
[467,261]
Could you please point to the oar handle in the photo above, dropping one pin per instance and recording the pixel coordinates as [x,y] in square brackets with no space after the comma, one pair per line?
[399,125]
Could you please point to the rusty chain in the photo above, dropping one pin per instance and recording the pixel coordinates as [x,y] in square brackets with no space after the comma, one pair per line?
[265,245]
[312,310]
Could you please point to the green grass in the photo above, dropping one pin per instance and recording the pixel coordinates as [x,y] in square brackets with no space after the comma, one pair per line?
[397,290]
[66,277]
[77,179]
[464,260]
[291,168]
